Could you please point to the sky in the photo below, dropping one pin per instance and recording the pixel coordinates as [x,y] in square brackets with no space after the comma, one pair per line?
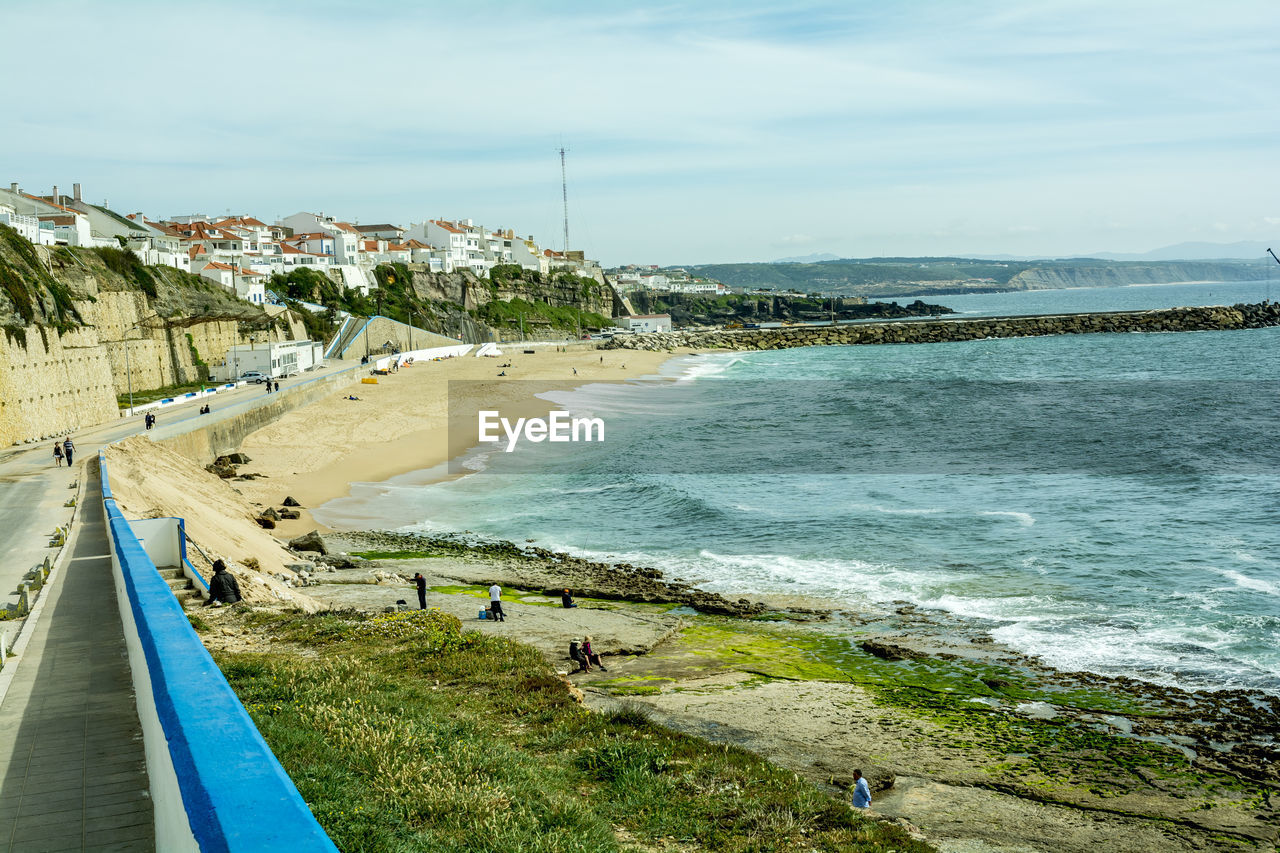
[712,132]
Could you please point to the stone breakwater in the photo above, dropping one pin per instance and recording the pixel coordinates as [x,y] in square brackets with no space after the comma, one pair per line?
[1213,318]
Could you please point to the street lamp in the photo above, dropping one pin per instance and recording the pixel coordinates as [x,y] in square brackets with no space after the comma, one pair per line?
[410,330]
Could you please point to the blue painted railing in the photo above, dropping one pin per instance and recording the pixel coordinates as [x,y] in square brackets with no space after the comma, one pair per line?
[237,797]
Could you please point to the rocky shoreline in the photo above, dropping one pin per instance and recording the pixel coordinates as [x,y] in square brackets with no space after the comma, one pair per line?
[1253,316]
[1104,746]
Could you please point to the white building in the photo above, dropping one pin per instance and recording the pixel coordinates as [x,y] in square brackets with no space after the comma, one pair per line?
[274,359]
[248,285]
[26,226]
[645,322]
[345,239]
[68,226]
[464,244]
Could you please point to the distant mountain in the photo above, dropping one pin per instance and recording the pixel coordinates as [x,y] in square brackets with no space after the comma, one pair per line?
[1192,252]
[808,259]
[895,277]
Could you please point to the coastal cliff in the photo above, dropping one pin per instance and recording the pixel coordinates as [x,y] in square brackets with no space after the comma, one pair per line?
[460,305]
[939,331]
[84,326]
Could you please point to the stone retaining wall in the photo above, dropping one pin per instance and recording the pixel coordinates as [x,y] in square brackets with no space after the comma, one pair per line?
[224,435]
[939,331]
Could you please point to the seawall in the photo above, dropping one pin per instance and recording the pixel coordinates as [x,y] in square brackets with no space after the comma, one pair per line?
[938,331]
[205,443]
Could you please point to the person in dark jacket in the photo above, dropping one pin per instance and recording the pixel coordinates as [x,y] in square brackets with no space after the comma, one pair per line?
[566,600]
[422,590]
[223,588]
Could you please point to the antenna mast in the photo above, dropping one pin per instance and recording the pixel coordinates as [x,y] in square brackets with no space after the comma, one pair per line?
[564,193]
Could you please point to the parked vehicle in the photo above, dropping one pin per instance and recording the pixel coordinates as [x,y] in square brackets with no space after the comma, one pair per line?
[254,376]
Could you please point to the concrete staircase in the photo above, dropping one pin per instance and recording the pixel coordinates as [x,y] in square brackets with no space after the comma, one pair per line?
[347,332]
[182,586]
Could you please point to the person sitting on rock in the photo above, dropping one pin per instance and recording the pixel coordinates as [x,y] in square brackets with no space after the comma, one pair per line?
[566,600]
[223,587]
[576,655]
[591,656]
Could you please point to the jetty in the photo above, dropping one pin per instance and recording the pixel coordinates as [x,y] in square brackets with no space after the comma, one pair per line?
[933,330]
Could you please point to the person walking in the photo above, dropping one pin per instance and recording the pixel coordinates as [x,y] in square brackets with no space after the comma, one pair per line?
[223,587]
[69,449]
[422,590]
[861,791]
[495,603]
[57,455]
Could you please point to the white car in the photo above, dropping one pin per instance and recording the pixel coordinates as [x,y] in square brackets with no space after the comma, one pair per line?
[254,376]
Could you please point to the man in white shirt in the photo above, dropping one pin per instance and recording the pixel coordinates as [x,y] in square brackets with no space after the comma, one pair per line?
[495,603]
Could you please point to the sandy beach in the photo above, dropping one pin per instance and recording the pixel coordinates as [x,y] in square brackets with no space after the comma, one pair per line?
[400,424]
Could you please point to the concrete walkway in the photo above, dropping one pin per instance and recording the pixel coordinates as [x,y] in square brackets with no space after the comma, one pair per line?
[72,769]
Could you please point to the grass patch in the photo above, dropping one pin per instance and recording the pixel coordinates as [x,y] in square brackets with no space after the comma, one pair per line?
[454,589]
[140,397]
[398,555]
[404,733]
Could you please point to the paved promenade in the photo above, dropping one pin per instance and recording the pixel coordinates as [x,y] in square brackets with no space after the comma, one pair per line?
[72,770]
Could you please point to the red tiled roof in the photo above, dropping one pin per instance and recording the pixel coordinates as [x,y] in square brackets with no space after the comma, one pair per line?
[447,226]
[214,265]
[48,202]
[294,250]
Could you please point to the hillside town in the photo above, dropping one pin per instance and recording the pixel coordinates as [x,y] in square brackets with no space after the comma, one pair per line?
[241,252]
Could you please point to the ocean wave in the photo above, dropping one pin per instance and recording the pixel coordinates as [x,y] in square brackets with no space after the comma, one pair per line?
[589,490]
[1023,518]
[1177,656]
[1245,582]
[891,510]
[707,366]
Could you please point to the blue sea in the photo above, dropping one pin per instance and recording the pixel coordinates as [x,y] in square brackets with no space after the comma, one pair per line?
[1110,503]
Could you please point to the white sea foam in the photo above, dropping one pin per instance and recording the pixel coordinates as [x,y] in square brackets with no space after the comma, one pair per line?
[1023,518]
[706,366]
[1246,582]
[893,510]
[476,462]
